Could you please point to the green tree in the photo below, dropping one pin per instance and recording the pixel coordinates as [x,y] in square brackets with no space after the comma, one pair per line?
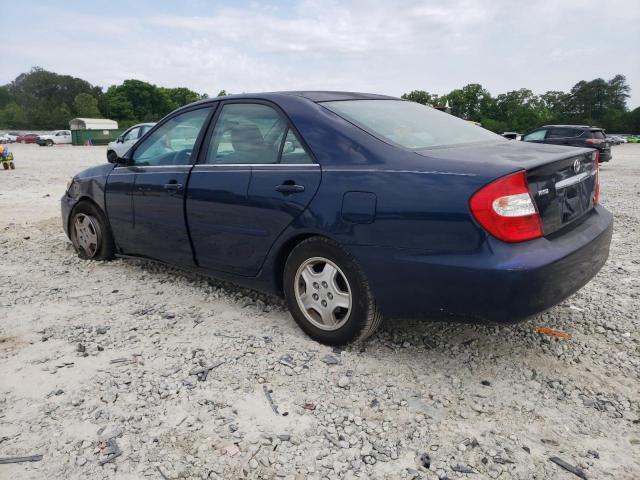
[179,97]
[470,102]
[86,106]
[222,93]
[420,96]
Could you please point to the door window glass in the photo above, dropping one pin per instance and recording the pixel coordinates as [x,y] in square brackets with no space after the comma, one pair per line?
[561,133]
[537,135]
[131,135]
[246,133]
[173,141]
[293,151]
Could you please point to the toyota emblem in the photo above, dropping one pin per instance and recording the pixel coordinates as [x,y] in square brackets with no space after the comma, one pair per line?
[576,165]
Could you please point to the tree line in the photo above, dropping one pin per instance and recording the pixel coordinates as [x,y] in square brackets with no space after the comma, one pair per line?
[43,100]
[597,102]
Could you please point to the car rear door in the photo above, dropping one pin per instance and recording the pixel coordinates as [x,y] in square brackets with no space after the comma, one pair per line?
[161,163]
[250,183]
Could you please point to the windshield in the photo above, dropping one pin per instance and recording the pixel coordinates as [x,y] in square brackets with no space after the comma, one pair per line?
[409,124]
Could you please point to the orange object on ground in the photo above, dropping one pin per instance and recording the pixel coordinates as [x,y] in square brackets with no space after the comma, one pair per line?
[552,332]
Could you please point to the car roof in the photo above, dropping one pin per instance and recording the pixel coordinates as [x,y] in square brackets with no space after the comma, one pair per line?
[572,126]
[313,95]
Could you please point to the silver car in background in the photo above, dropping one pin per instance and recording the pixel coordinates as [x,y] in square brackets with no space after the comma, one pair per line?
[124,142]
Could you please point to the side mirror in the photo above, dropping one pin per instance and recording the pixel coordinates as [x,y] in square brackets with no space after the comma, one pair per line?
[119,139]
[117,160]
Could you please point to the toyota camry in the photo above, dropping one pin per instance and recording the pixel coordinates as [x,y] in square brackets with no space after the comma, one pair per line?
[354,207]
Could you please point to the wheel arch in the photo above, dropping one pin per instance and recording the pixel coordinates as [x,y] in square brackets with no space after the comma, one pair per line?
[85,199]
[280,258]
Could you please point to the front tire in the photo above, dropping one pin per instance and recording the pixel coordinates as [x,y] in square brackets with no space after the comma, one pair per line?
[111,156]
[49,143]
[90,233]
[328,294]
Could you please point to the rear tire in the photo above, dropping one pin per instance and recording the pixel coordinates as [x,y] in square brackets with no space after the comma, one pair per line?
[328,294]
[90,233]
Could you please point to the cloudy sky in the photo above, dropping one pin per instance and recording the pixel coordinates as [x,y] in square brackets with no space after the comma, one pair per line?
[386,47]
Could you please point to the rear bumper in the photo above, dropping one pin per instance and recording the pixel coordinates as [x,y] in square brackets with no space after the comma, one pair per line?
[498,282]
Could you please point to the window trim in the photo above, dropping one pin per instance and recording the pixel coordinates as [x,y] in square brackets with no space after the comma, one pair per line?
[206,141]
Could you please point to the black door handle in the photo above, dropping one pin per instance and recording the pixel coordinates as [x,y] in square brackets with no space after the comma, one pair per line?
[288,188]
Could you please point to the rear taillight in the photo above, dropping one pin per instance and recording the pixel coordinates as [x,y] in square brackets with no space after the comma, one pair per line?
[596,189]
[594,141]
[505,209]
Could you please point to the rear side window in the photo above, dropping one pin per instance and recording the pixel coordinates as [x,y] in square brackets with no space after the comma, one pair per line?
[293,151]
[563,132]
[247,133]
[597,134]
[537,135]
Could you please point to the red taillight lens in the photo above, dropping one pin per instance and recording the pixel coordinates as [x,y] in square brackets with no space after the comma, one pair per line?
[596,189]
[594,141]
[505,209]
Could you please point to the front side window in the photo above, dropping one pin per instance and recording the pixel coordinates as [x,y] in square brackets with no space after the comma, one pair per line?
[409,124]
[533,136]
[173,141]
[131,135]
[246,133]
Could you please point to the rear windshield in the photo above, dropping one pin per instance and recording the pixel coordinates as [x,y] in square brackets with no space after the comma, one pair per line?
[409,124]
[597,134]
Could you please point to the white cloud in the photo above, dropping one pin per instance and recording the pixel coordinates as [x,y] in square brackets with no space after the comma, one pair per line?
[385,47]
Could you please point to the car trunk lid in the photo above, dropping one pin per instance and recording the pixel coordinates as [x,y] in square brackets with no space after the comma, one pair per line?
[563,191]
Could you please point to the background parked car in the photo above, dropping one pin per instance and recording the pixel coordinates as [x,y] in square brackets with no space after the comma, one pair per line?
[27,138]
[615,140]
[57,137]
[573,136]
[512,135]
[125,141]
[7,138]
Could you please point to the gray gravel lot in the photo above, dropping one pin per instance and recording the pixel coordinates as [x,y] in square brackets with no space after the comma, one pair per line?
[129,370]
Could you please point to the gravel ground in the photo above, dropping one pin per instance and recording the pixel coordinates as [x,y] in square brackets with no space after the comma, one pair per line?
[127,369]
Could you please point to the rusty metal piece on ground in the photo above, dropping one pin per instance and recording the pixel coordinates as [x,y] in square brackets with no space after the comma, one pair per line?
[553,333]
[309,406]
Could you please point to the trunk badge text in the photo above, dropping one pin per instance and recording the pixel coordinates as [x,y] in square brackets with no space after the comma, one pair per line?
[542,192]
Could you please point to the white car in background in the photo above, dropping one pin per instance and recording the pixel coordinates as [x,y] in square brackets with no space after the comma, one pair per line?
[7,138]
[57,137]
[124,142]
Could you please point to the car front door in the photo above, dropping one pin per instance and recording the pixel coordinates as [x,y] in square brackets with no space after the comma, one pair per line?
[161,164]
[253,179]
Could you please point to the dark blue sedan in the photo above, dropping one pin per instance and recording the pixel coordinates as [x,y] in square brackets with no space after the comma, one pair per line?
[353,207]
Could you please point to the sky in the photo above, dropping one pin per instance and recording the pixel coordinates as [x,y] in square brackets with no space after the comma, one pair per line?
[388,47]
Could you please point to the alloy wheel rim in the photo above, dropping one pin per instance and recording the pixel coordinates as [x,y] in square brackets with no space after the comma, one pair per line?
[323,293]
[86,233]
